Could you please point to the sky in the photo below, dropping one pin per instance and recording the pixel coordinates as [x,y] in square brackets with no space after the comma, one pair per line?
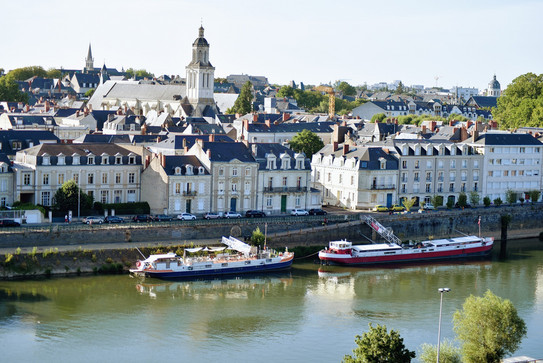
[430,42]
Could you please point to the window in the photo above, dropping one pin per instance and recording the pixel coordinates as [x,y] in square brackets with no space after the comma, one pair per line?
[46,198]
[428,164]
[297,201]
[90,178]
[451,187]
[45,180]
[131,178]
[104,196]
[104,178]
[131,159]
[177,188]
[285,180]
[131,196]
[221,187]
[105,160]
[404,188]
[352,179]
[234,187]
[247,171]
[299,182]
[247,189]
[428,188]
[90,160]
[453,164]
[452,176]
[464,163]
[340,178]
[76,178]
[329,177]
[475,187]
[417,164]
[3,202]
[463,187]
[60,179]
[428,176]
[118,160]
[235,172]
[61,160]
[221,171]
[76,160]
[404,164]
[440,188]
[268,202]
[383,164]
[117,196]
[117,178]
[46,160]
[475,163]
[416,178]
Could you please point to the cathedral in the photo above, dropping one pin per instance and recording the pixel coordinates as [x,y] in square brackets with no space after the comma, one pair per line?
[194,98]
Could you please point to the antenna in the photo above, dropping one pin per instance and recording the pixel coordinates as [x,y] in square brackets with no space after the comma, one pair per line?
[436,78]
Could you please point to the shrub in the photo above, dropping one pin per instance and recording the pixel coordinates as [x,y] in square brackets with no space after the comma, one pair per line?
[486,201]
[498,201]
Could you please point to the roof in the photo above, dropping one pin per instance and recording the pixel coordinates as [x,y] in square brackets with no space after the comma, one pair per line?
[27,138]
[149,92]
[370,157]
[103,139]
[316,127]
[507,139]
[30,119]
[174,161]
[178,142]
[228,151]
[261,150]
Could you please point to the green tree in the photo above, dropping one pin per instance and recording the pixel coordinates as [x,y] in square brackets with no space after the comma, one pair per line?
[90,92]
[67,196]
[257,237]
[346,89]
[448,353]
[399,89]
[307,142]
[489,328]
[286,91]
[9,91]
[54,73]
[409,203]
[436,200]
[510,196]
[244,102]
[521,103]
[462,200]
[378,117]
[498,201]
[140,73]
[24,73]
[486,201]
[474,198]
[534,195]
[378,345]
[308,100]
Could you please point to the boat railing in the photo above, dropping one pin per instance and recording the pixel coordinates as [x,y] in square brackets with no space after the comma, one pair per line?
[386,233]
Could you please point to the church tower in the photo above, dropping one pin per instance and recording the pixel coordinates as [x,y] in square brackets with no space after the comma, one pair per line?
[494,88]
[89,61]
[200,77]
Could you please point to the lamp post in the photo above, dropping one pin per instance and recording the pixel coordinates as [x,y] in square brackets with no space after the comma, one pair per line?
[79,196]
[441,291]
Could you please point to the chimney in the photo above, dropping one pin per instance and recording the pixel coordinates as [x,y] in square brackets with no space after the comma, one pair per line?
[162,160]
[286,116]
[245,142]
[158,139]
[451,123]
[47,106]
[463,134]
[469,123]
[255,117]
[147,161]
[433,126]
[185,149]
[211,137]
[475,135]
[184,143]
[423,129]
[246,124]
[268,123]
[345,149]
[254,148]
[200,142]
[344,123]
[335,145]
[209,153]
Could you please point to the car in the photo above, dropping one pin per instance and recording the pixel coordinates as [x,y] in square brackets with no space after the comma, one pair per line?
[186,217]
[317,212]
[428,206]
[9,223]
[141,218]
[299,212]
[397,208]
[456,205]
[232,214]
[162,218]
[113,219]
[211,215]
[93,220]
[255,213]
[380,208]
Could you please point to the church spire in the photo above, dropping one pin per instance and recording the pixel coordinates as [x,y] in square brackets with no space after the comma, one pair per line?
[89,61]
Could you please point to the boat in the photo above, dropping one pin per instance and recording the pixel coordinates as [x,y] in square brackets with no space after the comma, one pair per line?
[218,262]
[393,251]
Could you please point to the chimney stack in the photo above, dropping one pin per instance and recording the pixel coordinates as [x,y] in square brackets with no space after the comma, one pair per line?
[345,149]
[211,137]
[209,153]
[335,145]
[255,117]
[423,129]
[286,116]
[268,123]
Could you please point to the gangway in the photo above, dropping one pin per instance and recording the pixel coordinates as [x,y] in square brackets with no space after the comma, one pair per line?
[386,233]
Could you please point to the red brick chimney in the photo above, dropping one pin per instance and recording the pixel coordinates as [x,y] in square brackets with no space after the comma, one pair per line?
[211,137]
[433,125]
[463,134]
[255,117]
[345,149]
[335,145]
[423,129]
[246,124]
[286,116]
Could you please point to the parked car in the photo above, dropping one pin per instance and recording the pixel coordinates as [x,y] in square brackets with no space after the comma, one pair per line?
[299,212]
[93,220]
[255,213]
[317,212]
[113,219]
[211,215]
[162,218]
[9,223]
[428,206]
[186,217]
[141,218]
[456,205]
[397,208]
[231,214]
[380,208]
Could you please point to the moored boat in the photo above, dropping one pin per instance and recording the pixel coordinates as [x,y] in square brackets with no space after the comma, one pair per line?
[217,263]
[344,253]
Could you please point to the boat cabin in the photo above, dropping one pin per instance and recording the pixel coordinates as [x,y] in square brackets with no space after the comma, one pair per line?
[340,246]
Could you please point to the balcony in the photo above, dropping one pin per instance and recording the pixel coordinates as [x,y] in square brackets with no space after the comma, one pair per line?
[382,186]
[189,193]
[285,189]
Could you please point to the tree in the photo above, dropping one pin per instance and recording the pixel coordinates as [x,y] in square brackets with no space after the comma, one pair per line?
[257,238]
[534,195]
[378,117]
[140,73]
[448,353]
[486,201]
[9,91]
[436,200]
[54,73]
[244,102]
[462,200]
[488,327]
[399,89]
[521,103]
[378,345]
[498,201]
[346,89]
[67,197]
[307,142]
[90,92]
[409,203]
[286,91]
[24,73]
[510,196]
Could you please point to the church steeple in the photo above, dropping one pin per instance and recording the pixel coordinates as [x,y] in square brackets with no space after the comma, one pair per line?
[89,61]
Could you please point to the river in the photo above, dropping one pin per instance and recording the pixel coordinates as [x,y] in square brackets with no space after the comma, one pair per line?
[310,313]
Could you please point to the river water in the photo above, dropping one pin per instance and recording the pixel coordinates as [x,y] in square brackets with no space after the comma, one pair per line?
[311,313]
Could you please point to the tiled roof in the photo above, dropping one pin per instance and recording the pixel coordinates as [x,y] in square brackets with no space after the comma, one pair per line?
[507,139]
[174,161]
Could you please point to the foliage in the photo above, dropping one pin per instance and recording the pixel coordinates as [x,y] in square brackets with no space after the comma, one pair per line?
[534,195]
[54,73]
[90,92]
[9,91]
[257,238]
[220,80]
[488,327]
[139,73]
[450,203]
[437,200]
[28,206]
[69,196]
[346,89]
[307,142]
[510,196]
[378,345]
[457,117]
[486,201]
[24,73]
[244,102]
[498,201]
[400,89]
[409,203]
[448,353]
[378,117]
[285,91]
[125,208]
[521,103]
[309,100]
[462,200]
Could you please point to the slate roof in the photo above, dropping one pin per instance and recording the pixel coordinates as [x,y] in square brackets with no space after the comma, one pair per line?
[174,161]
[31,119]
[25,137]
[228,151]
[263,117]
[100,138]
[507,139]
[86,78]
[260,150]
[316,127]
[149,92]
[482,101]
[4,159]
[370,157]
[65,112]
[176,141]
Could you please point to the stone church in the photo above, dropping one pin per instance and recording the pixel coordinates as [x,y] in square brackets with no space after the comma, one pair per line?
[194,98]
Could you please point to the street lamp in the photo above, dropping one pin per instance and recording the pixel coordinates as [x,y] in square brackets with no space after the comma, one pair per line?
[441,291]
[79,196]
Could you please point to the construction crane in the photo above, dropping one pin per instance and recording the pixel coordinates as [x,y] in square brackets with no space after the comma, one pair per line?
[331,99]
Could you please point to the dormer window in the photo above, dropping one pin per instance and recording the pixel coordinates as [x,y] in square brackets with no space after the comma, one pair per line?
[61,160]
[46,160]
[105,159]
[90,160]
[118,159]
[177,170]
[189,170]
[201,170]
[285,163]
[383,164]
[131,159]
[76,159]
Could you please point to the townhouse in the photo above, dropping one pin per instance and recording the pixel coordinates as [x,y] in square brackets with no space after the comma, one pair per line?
[6,181]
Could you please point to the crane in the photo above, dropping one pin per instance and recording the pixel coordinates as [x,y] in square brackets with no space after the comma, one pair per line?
[331,99]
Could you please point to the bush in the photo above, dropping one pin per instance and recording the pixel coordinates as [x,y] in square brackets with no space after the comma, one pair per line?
[450,204]
[486,201]
[127,208]
[498,201]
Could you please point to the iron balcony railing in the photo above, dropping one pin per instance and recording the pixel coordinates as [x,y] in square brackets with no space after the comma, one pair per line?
[285,189]
[383,186]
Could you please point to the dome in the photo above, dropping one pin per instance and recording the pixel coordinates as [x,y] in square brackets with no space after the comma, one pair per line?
[494,84]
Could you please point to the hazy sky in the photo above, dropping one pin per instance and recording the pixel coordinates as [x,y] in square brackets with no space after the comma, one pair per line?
[462,42]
